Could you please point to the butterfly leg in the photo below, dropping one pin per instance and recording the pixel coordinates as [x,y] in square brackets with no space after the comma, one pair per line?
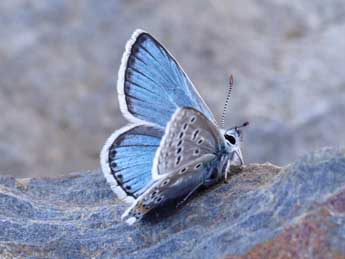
[227,170]
[226,177]
[212,178]
[188,195]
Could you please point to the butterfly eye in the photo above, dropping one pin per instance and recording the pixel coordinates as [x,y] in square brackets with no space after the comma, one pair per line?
[231,139]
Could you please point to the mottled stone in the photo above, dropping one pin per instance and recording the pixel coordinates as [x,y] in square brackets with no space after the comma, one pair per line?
[59,62]
[264,211]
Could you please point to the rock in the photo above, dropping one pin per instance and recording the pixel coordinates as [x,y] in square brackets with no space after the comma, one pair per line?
[59,63]
[264,211]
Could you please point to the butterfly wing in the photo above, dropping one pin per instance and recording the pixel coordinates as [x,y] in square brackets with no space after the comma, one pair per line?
[175,185]
[177,168]
[152,85]
[127,159]
[189,135]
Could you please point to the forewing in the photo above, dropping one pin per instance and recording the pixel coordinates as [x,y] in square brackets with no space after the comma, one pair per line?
[152,85]
[189,135]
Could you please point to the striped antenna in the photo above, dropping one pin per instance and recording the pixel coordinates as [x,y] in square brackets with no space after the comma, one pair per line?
[231,83]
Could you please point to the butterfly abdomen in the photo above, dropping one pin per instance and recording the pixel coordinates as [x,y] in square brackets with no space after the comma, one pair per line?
[215,171]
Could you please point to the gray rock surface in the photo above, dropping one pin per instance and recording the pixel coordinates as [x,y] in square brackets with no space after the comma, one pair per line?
[59,60]
[265,211]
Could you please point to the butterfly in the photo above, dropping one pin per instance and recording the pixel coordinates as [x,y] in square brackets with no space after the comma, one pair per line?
[172,145]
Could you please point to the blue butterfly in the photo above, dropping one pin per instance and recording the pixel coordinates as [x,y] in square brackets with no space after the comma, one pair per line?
[172,145]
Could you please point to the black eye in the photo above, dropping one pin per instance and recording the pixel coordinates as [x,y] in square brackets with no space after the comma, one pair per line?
[231,139]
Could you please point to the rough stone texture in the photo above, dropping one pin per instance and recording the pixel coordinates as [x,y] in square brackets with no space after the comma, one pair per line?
[263,212]
[59,61]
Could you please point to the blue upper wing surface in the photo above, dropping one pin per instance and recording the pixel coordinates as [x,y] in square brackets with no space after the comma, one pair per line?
[152,85]
[127,159]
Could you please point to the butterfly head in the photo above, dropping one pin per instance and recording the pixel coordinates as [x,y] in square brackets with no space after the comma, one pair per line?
[233,138]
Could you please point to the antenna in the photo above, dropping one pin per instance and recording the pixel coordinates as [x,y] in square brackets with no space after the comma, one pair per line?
[231,83]
[245,124]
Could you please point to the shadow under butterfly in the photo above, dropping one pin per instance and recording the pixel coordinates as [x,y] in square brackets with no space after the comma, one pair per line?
[172,146]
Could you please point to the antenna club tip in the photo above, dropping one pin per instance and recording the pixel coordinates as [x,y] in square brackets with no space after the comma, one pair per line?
[245,124]
[231,79]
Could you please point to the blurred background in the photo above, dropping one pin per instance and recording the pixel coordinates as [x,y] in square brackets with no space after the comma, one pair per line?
[59,62]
